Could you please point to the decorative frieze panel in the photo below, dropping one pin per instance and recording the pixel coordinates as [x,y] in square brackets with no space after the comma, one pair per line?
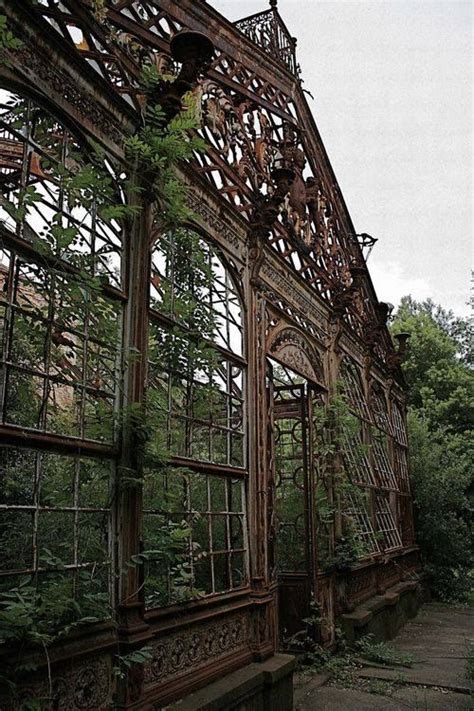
[361,585]
[81,686]
[42,72]
[219,227]
[196,646]
[287,293]
[289,346]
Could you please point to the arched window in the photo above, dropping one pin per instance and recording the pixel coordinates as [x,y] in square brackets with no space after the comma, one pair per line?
[60,331]
[195,399]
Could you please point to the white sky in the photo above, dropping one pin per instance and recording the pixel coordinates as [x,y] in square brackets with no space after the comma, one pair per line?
[392,81]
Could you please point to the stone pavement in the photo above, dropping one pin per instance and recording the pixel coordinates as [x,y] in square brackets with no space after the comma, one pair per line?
[439,639]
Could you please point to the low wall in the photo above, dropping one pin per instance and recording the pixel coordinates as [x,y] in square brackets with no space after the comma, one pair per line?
[383,615]
[255,687]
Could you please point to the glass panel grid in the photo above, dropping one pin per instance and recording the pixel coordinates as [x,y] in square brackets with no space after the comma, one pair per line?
[198,404]
[190,284]
[195,396]
[379,410]
[38,159]
[399,427]
[212,551]
[386,525]
[356,510]
[401,468]
[356,459]
[59,351]
[382,465]
[353,390]
[55,522]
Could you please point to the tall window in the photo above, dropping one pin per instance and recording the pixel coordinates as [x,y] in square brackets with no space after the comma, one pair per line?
[381,432]
[60,334]
[196,406]
[366,452]
[400,457]
[357,506]
[385,500]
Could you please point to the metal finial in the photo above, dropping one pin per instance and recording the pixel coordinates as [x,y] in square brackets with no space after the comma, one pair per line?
[273,3]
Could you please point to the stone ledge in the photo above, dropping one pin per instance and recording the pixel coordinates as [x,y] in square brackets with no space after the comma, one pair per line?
[358,618]
[391,597]
[383,615]
[247,688]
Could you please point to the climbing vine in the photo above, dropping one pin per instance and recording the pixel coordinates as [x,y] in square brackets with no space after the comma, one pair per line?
[87,183]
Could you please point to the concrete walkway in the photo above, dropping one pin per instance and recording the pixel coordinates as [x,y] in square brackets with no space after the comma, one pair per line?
[439,640]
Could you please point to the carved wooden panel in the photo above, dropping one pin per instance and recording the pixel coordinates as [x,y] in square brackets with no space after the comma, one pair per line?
[85,685]
[197,646]
[361,585]
[289,346]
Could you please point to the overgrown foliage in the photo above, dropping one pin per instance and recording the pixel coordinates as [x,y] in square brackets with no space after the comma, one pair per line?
[40,609]
[382,653]
[334,425]
[440,379]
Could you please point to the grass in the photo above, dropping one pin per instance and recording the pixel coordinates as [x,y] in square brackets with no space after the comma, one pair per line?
[382,653]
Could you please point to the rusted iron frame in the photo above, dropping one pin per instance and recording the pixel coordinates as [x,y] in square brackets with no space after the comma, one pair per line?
[84,19]
[220,77]
[254,22]
[156,42]
[32,20]
[118,18]
[23,247]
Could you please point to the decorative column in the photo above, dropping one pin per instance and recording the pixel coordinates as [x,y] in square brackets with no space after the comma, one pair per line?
[194,51]
[261,483]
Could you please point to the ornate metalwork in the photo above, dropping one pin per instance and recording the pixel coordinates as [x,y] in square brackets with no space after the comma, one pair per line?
[196,647]
[278,280]
[268,31]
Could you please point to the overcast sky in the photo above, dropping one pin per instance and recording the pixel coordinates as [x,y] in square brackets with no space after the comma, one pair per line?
[393,100]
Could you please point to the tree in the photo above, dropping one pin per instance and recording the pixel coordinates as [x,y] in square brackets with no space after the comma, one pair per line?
[439,374]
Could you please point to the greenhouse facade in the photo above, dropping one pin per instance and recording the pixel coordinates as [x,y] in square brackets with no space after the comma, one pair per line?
[203,415]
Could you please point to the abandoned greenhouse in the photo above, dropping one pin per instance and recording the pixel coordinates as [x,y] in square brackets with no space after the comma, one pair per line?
[203,434]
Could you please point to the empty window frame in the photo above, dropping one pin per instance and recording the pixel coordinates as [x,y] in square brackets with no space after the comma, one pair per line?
[380,437]
[358,521]
[195,399]
[199,519]
[59,350]
[386,525]
[60,345]
[400,450]
[54,527]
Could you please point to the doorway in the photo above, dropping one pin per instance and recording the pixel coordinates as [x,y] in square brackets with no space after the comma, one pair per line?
[293,400]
